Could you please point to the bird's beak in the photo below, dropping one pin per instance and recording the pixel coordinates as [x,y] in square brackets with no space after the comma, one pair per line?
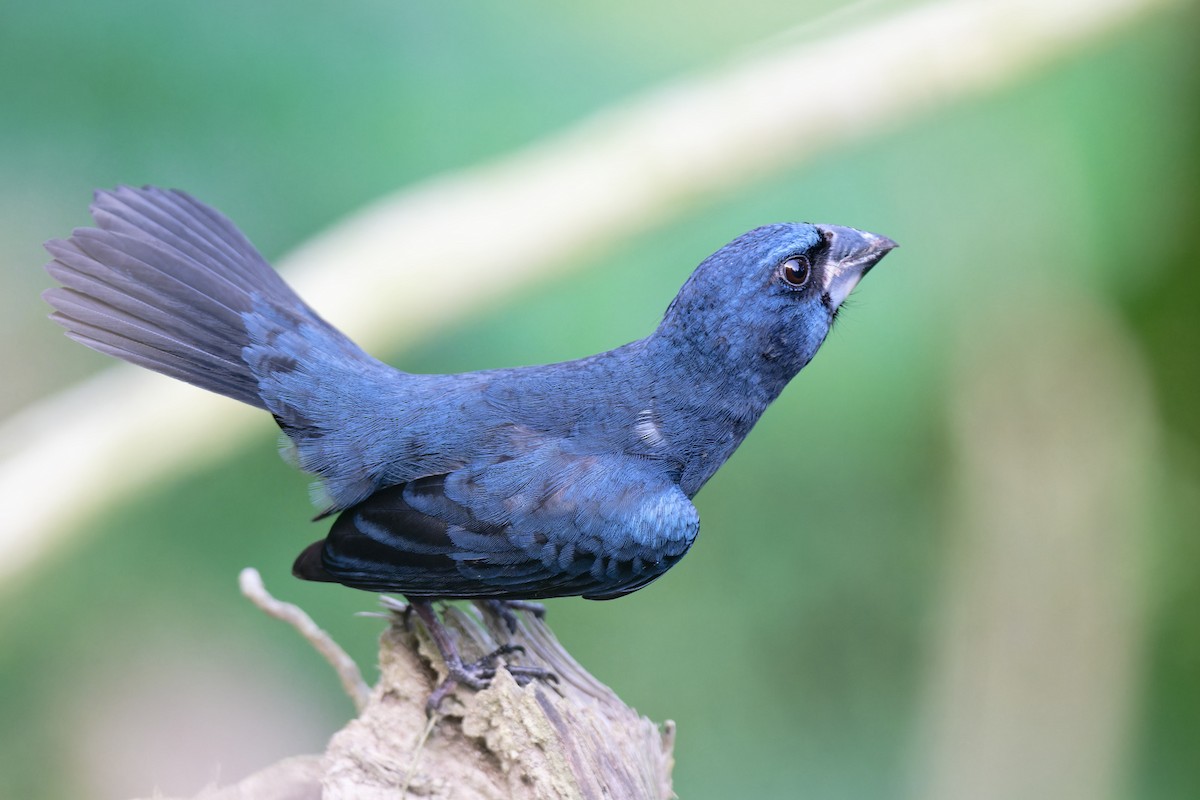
[851,255]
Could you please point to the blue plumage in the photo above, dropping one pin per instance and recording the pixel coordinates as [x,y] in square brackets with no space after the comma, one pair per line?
[564,479]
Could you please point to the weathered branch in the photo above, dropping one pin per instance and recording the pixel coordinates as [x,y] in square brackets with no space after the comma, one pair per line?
[252,587]
[570,738]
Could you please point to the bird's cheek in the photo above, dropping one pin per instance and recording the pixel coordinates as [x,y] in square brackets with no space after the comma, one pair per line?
[805,339]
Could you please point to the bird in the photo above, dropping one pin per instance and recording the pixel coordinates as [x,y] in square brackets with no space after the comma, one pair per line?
[502,485]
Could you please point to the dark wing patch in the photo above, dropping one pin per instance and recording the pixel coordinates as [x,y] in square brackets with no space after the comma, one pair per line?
[547,524]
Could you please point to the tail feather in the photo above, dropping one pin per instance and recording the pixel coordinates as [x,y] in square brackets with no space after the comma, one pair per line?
[107,330]
[170,284]
[166,283]
[150,281]
[137,278]
[199,236]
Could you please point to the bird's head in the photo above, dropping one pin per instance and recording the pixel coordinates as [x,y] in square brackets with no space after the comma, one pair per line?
[764,302]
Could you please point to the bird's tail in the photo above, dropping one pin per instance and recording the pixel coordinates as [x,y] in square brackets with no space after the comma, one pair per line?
[170,284]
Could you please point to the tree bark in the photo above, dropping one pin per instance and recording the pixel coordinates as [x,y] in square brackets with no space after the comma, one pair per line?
[570,738]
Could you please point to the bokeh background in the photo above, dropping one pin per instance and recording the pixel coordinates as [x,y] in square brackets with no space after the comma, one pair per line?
[958,558]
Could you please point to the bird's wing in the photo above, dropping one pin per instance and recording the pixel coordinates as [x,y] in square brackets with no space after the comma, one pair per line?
[545,524]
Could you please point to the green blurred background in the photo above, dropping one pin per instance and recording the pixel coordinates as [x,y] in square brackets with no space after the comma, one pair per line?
[828,636]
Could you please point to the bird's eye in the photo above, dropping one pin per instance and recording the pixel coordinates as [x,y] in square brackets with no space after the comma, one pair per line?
[795,271]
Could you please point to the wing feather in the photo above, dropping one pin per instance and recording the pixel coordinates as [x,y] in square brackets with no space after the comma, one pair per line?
[551,523]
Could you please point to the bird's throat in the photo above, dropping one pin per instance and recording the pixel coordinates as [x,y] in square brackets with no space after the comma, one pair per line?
[707,401]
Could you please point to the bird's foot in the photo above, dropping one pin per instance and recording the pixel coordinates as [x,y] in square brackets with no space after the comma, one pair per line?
[476,674]
[506,611]
[523,674]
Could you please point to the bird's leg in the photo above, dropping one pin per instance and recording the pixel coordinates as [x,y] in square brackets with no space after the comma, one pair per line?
[537,609]
[504,610]
[477,674]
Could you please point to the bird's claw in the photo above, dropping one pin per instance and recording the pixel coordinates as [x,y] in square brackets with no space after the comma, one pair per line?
[506,611]
[523,675]
[480,673]
[488,662]
[527,675]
